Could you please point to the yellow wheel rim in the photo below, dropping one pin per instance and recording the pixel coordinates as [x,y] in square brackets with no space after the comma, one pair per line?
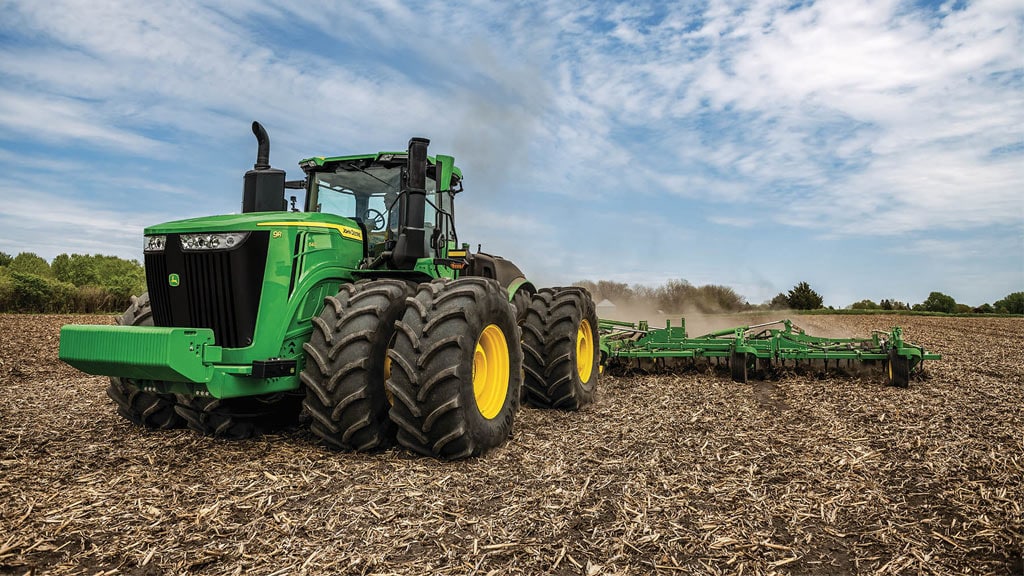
[889,366]
[584,351]
[490,371]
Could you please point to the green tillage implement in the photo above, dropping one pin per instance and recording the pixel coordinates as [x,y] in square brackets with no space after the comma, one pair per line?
[636,345]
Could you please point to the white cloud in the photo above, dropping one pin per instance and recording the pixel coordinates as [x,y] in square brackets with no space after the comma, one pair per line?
[56,119]
[845,119]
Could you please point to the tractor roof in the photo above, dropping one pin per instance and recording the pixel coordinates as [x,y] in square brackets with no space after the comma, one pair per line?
[395,158]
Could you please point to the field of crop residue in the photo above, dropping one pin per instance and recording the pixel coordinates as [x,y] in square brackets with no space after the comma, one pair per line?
[668,474]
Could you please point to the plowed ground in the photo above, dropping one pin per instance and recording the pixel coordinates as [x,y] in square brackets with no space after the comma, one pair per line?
[672,474]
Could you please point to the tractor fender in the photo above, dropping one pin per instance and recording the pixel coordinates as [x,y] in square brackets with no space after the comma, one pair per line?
[504,271]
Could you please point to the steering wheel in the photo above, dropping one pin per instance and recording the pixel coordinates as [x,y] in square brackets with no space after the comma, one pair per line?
[376,218]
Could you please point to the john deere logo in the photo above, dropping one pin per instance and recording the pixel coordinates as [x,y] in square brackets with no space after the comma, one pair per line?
[173,280]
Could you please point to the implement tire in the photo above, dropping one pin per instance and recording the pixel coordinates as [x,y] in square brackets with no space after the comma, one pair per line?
[456,369]
[142,408]
[347,364]
[561,359]
[739,367]
[897,369]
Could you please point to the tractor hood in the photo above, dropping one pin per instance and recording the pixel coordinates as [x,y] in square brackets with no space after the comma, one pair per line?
[347,227]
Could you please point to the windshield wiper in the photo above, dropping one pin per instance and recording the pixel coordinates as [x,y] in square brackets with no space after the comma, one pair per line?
[354,167]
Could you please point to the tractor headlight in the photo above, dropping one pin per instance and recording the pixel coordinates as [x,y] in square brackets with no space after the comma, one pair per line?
[154,243]
[222,241]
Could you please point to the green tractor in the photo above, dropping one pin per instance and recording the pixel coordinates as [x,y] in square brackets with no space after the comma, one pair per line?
[363,310]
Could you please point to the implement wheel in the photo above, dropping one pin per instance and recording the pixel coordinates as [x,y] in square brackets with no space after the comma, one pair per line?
[897,369]
[738,367]
[456,369]
[142,408]
[560,349]
[347,364]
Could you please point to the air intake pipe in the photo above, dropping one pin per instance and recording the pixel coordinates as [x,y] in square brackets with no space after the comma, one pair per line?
[263,186]
[411,243]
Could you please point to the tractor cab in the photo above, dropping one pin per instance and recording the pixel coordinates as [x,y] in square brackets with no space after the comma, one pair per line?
[374,191]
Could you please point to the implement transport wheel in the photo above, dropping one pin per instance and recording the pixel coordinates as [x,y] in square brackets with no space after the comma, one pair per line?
[456,369]
[560,349]
[347,364]
[239,418]
[738,367]
[897,369]
[140,407]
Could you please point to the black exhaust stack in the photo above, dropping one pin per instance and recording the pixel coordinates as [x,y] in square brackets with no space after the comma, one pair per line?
[411,243]
[263,190]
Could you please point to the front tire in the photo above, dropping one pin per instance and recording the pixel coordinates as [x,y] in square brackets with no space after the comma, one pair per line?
[239,418]
[561,359]
[347,364]
[456,369]
[142,408]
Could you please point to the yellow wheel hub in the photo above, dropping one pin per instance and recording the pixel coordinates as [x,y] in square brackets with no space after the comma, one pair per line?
[490,371]
[584,351]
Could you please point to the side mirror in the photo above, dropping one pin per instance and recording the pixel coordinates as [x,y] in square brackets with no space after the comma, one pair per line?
[445,167]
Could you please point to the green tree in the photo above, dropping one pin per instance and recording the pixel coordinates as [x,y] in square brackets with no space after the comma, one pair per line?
[123,278]
[887,304]
[78,269]
[985,308]
[32,293]
[779,302]
[29,263]
[939,302]
[803,297]
[1012,304]
[5,259]
[864,305]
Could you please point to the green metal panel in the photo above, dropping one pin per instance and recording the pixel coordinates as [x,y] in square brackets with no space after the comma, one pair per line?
[309,256]
[142,352]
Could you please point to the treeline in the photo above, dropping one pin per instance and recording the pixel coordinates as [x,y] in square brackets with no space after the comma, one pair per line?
[76,283]
[681,296]
[673,296]
[939,302]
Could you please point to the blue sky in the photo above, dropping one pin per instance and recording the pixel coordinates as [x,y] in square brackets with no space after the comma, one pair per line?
[873,149]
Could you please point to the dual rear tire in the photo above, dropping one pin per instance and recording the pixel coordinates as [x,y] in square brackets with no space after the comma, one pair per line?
[560,349]
[456,369]
[347,364]
[441,372]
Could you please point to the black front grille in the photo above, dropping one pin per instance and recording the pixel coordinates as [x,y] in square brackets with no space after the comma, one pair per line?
[217,289]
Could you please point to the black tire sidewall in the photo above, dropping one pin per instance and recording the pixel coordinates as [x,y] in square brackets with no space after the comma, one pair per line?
[495,310]
[380,432]
[588,312]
